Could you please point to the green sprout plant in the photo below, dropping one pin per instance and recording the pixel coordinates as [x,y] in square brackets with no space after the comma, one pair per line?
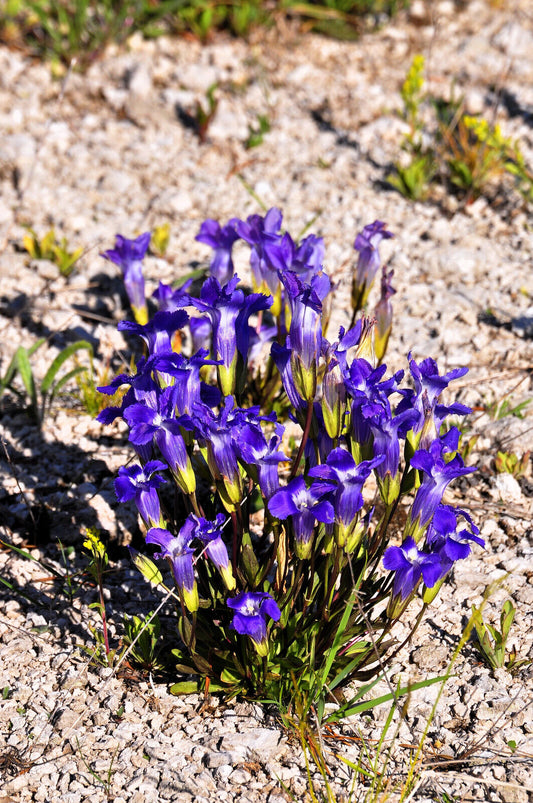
[477,154]
[492,643]
[453,147]
[143,632]
[88,381]
[96,568]
[73,34]
[105,781]
[413,179]
[205,113]
[48,247]
[41,395]
[256,132]
[511,463]
[501,408]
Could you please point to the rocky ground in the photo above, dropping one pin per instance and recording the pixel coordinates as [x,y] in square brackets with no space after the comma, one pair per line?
[110,151]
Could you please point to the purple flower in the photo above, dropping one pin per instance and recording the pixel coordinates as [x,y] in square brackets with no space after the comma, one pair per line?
[176,550]
[409,564]
[438,473]
[305,333]
[347,478]
[222,433]
[370,399]
[334,391]
[387,431]
[184,374]
[210,534]
[251,611]
[160,424]
[282,254]
[141,484]
[229,310]
[170,299]
[157,333]
[128,255]
[259,233]
[303,506]
[221,239]
[262,457]
[282,360]
[429,385]
[367,244]
[444,538]
[201,331]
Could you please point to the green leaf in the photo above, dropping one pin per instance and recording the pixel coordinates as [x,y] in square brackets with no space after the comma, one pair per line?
[184,687]
[249,560]
[26,374]
[229,677]
[202,666]
[367,705]
[198,273]
[61,358]
[185,630]
[348,669]
[338,642]
[36,345]
[80,369]
[507,617]
[147,568]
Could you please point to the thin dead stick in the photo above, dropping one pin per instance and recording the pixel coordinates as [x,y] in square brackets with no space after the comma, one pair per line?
[14,472]
[491,731]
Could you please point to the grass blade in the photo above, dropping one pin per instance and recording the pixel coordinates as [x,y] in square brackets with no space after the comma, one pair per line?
[61,358]
[367,705]
[26,374]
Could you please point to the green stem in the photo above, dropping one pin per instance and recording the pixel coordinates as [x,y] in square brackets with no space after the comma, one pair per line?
[305,436]
[103,613]
[194,504]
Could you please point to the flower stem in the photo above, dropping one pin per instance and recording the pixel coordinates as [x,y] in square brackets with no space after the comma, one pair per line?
[305,436]
[103,613]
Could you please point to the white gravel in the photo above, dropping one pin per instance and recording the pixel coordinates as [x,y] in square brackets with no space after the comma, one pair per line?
[107,153]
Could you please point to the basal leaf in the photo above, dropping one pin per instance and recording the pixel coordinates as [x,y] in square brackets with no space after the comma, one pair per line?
[61,358]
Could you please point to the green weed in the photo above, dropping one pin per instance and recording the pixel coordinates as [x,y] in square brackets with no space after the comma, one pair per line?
[502,408]
[141,633]
[98,562]
[88,382]
[106,781]
[68,31]
[453,147]
[491,642]
[510,463]
[41,397]
[49,248]
[256,133]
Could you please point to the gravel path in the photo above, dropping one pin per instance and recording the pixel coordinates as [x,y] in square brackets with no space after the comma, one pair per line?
[108,152]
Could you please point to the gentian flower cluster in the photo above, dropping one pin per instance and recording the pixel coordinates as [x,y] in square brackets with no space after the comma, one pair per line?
[269,541]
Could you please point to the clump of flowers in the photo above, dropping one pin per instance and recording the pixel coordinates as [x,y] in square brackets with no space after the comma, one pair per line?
[289,561]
